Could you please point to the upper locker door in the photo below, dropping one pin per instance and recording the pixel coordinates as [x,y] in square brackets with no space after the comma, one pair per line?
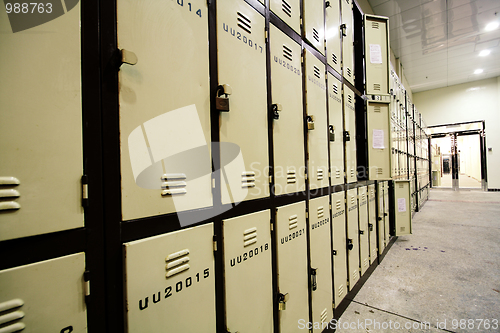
[242,66]
[339,247]
[288,127]
[372,222]
[321,261]
[364,245]
[352,237]
[332,34]
[347,29]
[350,135]
[380,217]
[164,107]
[379,143]
[247,252]
[314,23]
[288,11]
[335,130]
[170,279]
[316,121]
[41,126]
[291,245]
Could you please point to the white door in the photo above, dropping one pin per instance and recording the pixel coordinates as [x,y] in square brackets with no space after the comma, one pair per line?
[350,135]
[352,237]
[372,223]
[314,23]
[364,244]
[332,34]
[339,247]
[380,218]
[347,41]
[288,11]
[335,130]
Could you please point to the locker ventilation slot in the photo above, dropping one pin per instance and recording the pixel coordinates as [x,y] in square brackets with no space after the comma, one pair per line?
[9,319]
[377,109]
[380,171]
[335,89]
[349,72]
[401,186]
[286,8]
[376,86]
[316,34]
[337,173]
[293,222]
[352,173]
[338,205]
[366,263]
[321,212]
[341,290]
[349,99]
[287,53]
[317,72]
[244,23]
[173,183]
[320,174]
[375,25]
[8,195]
[291,177]
[248,179]
[324,316]
[250,236]
[355,275]
[334,58]
[177,262]
[353,200]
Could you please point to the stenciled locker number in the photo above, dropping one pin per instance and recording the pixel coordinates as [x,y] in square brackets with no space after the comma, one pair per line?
[243,101]
[164,106]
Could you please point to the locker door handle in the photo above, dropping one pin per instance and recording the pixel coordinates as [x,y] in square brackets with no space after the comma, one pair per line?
[350,246]
[361,232]
[347,136]
[327,4]
[331,133]
[276,108]
[370,226]
[128,57]
[343,29]
[313,277]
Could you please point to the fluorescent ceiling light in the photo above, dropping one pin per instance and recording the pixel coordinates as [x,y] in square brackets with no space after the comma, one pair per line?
[478,71]
[484,53]
[491,26]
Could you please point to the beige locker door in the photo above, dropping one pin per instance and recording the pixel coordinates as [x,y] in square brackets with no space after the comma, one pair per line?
[402,207]
[347,41]
[339,247]
[335,130]
[332,34]
[380,217]
[321,261]
[288,11]
[379,133]
[286,87]
[386,213]
[350,141]
[364,242]
[316,113]
[372,223]
[352,237]
[164,119]
[40,127]
[377,56]
[291,245]
[46,296]
[314,23]
[170,279]
[242,66]
[248,273]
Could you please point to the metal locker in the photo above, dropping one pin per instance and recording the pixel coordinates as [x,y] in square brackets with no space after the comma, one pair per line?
[164,122]
[42,159]
[332,34]
[402,207]
[377,54]
[379,139]
[248,273]
[381,217]
[347,31]
[242,67]
[364,241]
[314,23]
[288,11]
[372,223]
[350,135]
[352,237]
[386,213]
[335,130]
[321,261]
[47,296]
[291,245]
[339,247]
[288,128]
[170,279]
[316,121]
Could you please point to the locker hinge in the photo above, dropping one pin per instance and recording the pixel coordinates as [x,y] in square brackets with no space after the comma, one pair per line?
[265,34]
[215,244]
[272,226]
[270,179]
[86,288]
[307,215]
[85,191]
[213,182]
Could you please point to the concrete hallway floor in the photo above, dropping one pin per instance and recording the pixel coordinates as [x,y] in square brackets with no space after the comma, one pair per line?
[448,269]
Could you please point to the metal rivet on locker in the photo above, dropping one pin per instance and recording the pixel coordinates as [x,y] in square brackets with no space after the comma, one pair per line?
[331,133]
[222,103]
[128,57]
[276,109]
[310,122]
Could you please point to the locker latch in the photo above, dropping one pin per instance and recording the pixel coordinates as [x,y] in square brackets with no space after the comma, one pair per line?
[282,299]
[361,232]
[276,109]
[347,136]
[222,103]
[310,122]
[350,246]
[370,226]
[331,133]
[128,57]
[343,29]
[314,284]
[327,4]
[334,252]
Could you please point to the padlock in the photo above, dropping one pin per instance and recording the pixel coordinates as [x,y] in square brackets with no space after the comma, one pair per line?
[331,133]
[347,136]
[350,245]
[282,299]
[222,102]
[276,109]
[310,122]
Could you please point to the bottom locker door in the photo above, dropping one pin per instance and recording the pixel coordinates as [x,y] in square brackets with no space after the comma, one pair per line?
[321,262]
[248,273]
[372,223]
[380,218]
[352,237]
[170,280]
[292,266]
[47,296]
[339,247]
[402,207]
[364,245]
[386,213]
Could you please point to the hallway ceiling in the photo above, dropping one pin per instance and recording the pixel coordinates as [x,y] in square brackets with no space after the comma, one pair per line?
[439,41]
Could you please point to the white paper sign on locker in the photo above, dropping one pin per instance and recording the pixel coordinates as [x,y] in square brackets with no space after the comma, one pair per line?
[378,139]
[401,205]
[375,54]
